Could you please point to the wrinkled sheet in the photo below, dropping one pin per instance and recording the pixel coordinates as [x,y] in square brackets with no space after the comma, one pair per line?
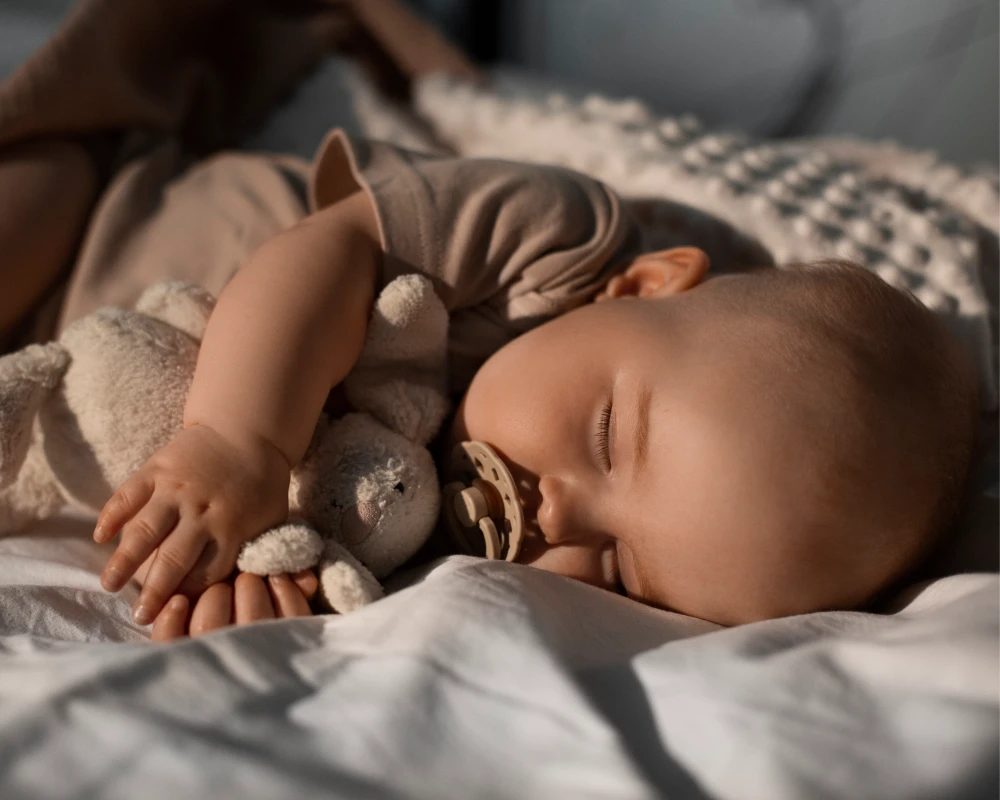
[489,680]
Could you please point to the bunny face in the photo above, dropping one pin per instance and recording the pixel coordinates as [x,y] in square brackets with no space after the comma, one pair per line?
[368,488]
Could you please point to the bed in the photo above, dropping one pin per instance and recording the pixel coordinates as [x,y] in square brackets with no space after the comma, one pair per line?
[482,679]
[478,679]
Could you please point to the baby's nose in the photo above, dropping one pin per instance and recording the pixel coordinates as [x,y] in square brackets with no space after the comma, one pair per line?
[554,508]
[562,515]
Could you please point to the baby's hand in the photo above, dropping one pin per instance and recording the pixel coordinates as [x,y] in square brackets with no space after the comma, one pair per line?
[194,502]
[247,599]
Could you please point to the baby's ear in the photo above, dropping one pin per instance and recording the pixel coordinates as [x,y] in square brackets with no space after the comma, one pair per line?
[659,274]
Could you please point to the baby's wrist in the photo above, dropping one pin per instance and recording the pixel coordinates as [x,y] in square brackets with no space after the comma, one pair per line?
[255,448]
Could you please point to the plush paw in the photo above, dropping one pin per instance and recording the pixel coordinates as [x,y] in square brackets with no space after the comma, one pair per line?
[344,582]
[287,548]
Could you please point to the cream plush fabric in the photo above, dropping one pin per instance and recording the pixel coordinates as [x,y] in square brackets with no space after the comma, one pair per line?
[79,415]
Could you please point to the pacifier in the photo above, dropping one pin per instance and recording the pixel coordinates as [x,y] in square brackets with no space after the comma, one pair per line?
[481,507]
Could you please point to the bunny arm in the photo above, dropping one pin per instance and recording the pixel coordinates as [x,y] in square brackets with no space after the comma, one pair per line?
[345,584]
[287,548]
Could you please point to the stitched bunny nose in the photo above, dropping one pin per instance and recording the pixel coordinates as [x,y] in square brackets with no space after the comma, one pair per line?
[359,521]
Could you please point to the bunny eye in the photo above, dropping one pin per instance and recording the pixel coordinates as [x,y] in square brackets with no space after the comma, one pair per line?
[399,487]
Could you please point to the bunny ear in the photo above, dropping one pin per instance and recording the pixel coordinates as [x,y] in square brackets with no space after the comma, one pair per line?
[408,327]
[401,376]
[27,378]
[183,305]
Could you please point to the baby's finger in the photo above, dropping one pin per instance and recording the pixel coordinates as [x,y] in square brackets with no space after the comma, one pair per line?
[288,598]
[252,600]
[140,537]
[307,582]
[124,503]
[174,560]
[213,610]
[171,623]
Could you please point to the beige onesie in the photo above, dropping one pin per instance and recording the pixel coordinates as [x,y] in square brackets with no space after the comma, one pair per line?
[507,245]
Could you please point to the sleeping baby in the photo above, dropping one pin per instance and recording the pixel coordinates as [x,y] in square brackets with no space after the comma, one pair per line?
[734,448]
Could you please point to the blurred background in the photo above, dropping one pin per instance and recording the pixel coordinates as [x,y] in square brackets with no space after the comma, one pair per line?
[922,72]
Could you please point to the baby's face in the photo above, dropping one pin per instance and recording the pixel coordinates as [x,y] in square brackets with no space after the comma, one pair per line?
[650,457]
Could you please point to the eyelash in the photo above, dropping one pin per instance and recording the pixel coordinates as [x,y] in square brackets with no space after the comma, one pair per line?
[603,436]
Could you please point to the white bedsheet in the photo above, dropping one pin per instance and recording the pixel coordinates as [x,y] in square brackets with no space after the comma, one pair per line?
[490,680]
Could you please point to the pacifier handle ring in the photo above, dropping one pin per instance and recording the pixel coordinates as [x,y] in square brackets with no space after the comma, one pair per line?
[490,537]
[475,465]
[452,522]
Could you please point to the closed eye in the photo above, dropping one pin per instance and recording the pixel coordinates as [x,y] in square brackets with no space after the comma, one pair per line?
[602,437]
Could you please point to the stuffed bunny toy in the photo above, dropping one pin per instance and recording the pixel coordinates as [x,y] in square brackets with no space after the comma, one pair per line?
[79,415]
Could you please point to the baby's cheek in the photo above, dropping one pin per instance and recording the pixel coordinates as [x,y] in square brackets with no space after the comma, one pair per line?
[629,574]
[587,564]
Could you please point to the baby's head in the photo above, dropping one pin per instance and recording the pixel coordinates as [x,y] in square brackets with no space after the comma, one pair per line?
[735,449]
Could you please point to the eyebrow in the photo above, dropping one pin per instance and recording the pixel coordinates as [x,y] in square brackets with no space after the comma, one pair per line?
[640,427]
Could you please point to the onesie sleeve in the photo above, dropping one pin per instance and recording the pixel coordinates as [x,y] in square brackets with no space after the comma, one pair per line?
[507,245]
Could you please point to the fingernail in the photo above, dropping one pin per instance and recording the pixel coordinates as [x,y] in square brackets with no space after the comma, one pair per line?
[99,535]
[113,577]
[142,614]
[280,578]
[177,602]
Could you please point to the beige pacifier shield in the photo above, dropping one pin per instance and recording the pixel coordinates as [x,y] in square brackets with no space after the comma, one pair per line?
[481,507]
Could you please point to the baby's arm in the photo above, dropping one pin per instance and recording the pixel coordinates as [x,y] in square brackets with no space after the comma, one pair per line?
[287,328]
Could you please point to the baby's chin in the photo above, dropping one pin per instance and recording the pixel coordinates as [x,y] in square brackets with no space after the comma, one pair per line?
[594,566]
